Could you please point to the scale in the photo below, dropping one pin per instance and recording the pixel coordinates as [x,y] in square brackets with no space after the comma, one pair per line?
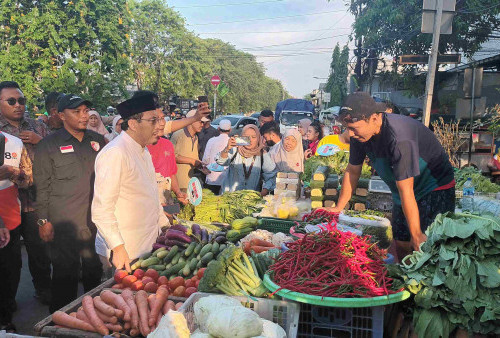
[377,185]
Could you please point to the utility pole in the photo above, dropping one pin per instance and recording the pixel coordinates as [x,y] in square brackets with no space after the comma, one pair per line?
[357,69]
[472,113]
[431,72]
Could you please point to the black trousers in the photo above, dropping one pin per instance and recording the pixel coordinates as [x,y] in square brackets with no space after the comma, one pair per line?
[38,257]
[69,251]
[213,188]
[10,267]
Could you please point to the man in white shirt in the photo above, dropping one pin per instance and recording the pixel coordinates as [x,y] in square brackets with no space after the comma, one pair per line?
[126,208]
[214,146]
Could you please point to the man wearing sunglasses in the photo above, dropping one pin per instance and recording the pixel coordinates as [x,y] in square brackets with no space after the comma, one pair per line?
[410,160]
[64,174]
[13,122]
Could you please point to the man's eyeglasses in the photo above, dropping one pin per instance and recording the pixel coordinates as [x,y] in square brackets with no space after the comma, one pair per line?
[154,120]
[12,101]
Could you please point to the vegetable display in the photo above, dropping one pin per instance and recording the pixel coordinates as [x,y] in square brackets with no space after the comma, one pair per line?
[456,276]
[480,182]
[337,163]
[333,264]
[224,208]
[234,274]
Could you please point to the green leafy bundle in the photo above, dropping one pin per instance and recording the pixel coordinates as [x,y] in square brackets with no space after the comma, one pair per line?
[480,182]
[337,163]
[456,276]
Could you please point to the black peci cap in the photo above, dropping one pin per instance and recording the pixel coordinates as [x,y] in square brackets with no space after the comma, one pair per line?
[137,104]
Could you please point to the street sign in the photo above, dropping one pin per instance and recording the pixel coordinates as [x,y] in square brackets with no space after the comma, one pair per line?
[326,97]
[215,80]
[429,12]
[424,59]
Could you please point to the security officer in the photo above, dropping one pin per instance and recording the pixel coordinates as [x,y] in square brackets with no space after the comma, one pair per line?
[64,178]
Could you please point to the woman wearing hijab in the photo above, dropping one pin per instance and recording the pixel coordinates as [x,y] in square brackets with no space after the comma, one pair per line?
[289,155]
[116,128]
[250,167]
[303,126]
[95,123]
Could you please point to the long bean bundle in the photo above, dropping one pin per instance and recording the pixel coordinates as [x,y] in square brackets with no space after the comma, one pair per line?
[333,264]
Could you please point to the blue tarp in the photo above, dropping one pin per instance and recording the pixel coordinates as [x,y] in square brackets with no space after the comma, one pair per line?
[296,105]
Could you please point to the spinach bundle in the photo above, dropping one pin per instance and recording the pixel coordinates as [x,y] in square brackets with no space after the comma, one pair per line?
[456,276]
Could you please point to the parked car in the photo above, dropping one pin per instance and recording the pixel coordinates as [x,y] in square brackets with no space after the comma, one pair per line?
[255,115]
[237,122]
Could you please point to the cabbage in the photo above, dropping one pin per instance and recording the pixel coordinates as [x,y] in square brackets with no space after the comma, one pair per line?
[206,305]
[272,330]
[237,321]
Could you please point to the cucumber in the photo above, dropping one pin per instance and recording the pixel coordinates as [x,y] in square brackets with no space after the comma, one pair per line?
[190,249]
[207,248]
[174,269]
[195,272]
[146,256]
[193,263]
[199,265]
[162,254]
[222,247]
[186,270]
[168,265]
[150,261]
[157,267]
[175,260]
[207,258]
[197,249]
[182,259]
[137,264]
[215,248]
[157,251]
[171,254]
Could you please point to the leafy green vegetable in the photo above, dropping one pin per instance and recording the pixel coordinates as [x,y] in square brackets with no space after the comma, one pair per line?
[481,183]
[337,163]
[456,276]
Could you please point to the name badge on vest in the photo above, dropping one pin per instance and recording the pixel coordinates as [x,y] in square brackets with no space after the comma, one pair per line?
[95,145]
[67,149]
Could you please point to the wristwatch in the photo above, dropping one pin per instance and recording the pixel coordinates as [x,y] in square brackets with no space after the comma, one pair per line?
[41,222]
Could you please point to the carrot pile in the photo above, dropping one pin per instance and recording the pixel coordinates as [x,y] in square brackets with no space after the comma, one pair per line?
[257,245]
[333,263]
[119,313]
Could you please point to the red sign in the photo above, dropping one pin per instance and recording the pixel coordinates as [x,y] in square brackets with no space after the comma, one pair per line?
[215,80]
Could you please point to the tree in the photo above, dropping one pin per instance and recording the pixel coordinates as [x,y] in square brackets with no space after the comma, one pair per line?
[65,46]
[337,80]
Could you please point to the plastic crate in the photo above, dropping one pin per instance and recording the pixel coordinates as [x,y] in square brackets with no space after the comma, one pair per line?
[286,314]
[320,321]
[276,225]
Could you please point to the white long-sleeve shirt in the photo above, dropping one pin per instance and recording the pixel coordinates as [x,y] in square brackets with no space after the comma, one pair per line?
[214,146]
[126,208]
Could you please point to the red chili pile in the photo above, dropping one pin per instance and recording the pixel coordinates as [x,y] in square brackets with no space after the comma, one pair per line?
[333,263]
[320,215]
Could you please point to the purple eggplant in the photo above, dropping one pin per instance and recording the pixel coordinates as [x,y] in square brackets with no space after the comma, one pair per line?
[179,227]
[178,235]
[172,242]
[196,231]
[204,236]
[221,239]
[156,246]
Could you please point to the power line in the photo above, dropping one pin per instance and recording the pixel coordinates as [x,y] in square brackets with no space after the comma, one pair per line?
[479,10]
[262,19]
[274,32]
[292,43]
[227,4]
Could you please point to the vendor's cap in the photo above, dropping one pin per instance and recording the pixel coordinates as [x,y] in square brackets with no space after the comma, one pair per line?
[358,106]
[225,125]
[71,101]
[137,104]
[192,113]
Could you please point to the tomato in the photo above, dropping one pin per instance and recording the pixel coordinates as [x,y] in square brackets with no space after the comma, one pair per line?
[197,283]
[151,287]
[139,273]
[162,280]
[129,280]
[189,283]
[195,278]
[179,291]
[146,280]
[200,273]
[153,274]
[189,291]
[119,275]
[175,283]
[137,286]
[117,286]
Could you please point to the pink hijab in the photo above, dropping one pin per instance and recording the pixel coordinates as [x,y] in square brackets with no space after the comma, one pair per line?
[100,129]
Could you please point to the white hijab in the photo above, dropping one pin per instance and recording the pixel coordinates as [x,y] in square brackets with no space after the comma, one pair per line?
[113,133]
[292,161]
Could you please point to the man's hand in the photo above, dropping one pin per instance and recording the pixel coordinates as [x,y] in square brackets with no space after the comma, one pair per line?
[120,258]
[30,137]
[264,192]
[202,110]
[308,153]
[4,237]
[417,240]
[46,232]
[182,197]
[197,163]
[333,209]
[6,172]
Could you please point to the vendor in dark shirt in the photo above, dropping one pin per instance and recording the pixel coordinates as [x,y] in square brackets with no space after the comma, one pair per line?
[410,160]
[64,178]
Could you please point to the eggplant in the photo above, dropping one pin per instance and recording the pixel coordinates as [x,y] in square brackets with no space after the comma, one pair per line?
[221,239]
[177,235]
[172,242]
[196,231]
[204,236]
[156,246]
[179,227]
[218,233]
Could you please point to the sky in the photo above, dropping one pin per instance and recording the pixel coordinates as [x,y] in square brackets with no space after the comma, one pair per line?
[293,39]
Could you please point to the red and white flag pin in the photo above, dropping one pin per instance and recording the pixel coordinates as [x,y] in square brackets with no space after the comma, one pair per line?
[67,149]
[95,145]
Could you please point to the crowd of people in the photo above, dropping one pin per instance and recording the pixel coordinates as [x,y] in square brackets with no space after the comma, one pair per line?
[86,199]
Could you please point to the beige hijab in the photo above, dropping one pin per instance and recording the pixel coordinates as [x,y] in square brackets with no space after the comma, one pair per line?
[246,151]
[288,161]
[100,129]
